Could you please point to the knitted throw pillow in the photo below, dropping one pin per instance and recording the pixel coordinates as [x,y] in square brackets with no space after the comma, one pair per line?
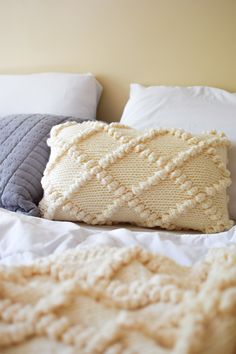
[104,174]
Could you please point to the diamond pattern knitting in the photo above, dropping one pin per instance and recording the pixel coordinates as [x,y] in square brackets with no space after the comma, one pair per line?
[119,301]
[104,174]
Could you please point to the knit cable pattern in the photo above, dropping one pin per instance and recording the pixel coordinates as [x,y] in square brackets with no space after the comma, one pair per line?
[119,301]
[103,174]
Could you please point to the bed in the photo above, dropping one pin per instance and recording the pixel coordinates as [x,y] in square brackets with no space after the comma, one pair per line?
[118,238]
[111,260]
[117,317]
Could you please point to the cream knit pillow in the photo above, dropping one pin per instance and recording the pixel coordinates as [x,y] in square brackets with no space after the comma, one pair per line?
[104,174]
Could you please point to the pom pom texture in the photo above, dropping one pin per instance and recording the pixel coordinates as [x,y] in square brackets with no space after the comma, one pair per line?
[105,300]
[105,174]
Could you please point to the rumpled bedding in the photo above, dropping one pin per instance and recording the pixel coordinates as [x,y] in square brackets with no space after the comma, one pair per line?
[25,238]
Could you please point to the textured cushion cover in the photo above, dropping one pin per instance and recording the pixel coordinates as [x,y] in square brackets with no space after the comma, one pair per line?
[23,157]
[103,174]
[107,300]
[63,94]
[195,109]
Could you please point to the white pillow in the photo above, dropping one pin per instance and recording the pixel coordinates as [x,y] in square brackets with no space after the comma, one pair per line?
[50,93]
[195,109]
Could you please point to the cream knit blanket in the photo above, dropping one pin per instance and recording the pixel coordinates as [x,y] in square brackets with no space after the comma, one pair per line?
[127,300]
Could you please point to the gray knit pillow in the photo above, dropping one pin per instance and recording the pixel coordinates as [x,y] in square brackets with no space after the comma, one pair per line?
[23,157]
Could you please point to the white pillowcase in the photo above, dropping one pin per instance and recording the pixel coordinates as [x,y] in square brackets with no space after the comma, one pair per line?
[50,93]
[195,109]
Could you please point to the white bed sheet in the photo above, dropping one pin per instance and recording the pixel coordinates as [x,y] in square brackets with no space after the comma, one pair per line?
[25,238]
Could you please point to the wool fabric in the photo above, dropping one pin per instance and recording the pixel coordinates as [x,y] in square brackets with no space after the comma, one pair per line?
[105,300]
[106,174]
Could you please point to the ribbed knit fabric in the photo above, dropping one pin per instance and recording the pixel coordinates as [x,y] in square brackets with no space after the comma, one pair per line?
[23,157]
[103,174]
[119,301]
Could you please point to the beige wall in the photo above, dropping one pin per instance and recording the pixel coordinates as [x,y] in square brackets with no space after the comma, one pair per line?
[173,42]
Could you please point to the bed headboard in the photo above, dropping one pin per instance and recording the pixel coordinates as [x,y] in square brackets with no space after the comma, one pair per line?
[169,42]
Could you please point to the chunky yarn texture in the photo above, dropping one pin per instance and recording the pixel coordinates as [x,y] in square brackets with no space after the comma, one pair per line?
[104,174]
[119,301]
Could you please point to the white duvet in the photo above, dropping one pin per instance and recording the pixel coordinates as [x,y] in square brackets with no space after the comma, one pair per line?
[24,238]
